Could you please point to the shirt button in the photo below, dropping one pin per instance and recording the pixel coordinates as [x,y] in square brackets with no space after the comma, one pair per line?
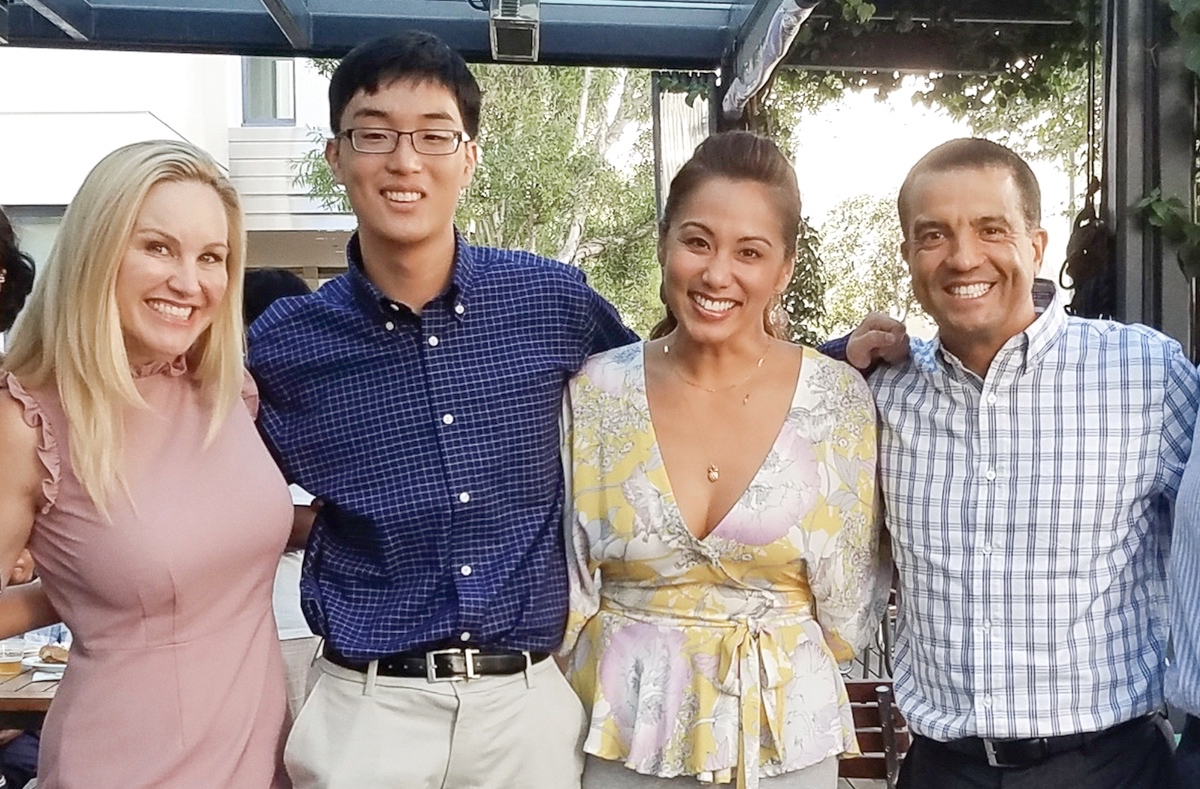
[448,419]
[395,307]
[464,497]
[465,636]
[987,701]
[991,474]
[987,625]
[459,309]
[389,325]
[465,569]
[991,399]
[433,341]
[987,548]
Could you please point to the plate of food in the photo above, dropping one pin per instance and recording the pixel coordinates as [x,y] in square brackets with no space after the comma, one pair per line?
[51,657]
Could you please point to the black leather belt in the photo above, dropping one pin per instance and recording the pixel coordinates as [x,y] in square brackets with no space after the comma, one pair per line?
[443,665]
[1025,753]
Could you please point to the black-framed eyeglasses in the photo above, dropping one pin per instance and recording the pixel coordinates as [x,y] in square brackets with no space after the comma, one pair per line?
[430,142]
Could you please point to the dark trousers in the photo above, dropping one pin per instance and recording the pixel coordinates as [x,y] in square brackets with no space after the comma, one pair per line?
[1187,757]
[1137,757]
[18,760]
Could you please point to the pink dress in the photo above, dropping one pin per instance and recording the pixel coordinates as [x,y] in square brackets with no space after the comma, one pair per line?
[175,677]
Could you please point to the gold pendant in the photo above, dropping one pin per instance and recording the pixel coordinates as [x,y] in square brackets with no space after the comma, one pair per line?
[714,473]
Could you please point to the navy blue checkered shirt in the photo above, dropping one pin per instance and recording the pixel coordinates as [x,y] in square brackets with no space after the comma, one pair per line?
[433,440]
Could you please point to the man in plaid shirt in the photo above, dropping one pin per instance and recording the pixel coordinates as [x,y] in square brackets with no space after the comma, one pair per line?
[1029,464]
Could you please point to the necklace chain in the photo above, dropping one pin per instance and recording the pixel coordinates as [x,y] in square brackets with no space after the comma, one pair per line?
[714,390]
[714,471]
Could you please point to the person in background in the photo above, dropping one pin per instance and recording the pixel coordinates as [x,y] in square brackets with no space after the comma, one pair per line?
[135,474]
[723,486]
[1029,463]
[16,277]
[263,287]
[18,748]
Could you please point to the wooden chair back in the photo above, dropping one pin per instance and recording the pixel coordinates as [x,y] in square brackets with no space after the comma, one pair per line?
[881,729]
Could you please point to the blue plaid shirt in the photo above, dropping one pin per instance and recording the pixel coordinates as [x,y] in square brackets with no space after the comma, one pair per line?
[433,439]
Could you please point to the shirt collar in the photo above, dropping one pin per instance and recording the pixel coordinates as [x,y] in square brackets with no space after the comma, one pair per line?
[1033,343]
[376,303]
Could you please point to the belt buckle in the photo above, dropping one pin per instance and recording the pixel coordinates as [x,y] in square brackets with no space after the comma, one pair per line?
[431,664]
[989,748]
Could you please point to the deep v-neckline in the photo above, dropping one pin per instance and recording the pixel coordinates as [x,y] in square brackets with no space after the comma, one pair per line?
[668,492]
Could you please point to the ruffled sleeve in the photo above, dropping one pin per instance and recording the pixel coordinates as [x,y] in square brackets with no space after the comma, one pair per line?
[47,447]
[250,395]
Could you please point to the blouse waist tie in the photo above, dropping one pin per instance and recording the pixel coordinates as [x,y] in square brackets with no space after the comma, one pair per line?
[750,661]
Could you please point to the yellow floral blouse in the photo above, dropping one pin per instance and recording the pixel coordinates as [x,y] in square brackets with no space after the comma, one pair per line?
[719,657]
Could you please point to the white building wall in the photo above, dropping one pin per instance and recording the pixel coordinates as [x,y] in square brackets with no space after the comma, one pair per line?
[61,111]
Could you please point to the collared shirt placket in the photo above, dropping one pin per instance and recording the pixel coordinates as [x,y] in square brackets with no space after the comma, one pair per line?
[994,629]
[978,533]
[450,418]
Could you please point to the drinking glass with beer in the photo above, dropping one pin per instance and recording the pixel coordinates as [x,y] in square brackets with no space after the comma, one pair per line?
[11,652]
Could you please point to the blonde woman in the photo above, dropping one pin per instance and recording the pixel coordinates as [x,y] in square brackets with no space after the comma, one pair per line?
[724,510]
[134,472]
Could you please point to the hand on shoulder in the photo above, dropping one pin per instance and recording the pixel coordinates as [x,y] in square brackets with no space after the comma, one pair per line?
[879,338]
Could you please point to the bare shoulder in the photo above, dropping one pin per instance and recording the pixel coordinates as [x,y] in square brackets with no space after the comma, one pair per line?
[18,447]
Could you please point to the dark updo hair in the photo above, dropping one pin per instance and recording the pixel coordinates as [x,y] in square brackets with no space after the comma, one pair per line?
[737,156]
[18,275]
[265,285]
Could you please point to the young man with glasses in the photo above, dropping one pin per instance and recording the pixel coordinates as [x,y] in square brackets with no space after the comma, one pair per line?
[418,397]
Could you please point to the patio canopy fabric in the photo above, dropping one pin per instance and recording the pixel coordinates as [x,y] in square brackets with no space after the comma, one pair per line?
[662,34]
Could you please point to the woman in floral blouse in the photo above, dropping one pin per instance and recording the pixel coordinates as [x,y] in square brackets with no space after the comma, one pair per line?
[723,486]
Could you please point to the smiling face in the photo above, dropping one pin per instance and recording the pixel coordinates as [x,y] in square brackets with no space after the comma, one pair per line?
[173,275]
[403,200]
[972,257]
[724,257]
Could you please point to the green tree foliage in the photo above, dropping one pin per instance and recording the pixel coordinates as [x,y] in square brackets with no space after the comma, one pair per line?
[804,298]
[860,251]
[1049,126]
[777,113]
[551,180]
[1034,98]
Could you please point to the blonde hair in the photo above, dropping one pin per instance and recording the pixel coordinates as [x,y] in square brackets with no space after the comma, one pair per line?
[69,335]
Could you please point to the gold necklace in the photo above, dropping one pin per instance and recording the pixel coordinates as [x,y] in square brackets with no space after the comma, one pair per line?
[714,471]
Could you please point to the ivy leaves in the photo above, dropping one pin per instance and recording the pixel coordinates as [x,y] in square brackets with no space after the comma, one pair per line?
[1173,218]
[1186,23]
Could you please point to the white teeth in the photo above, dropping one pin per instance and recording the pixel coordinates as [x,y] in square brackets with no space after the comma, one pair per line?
[171,310]
[402,197]
[970,291]
[714,305]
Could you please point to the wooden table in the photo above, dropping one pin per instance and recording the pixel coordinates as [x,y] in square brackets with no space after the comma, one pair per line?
[23,702]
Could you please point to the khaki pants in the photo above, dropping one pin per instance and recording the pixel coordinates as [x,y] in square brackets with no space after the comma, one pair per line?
[298,657]
[495,732]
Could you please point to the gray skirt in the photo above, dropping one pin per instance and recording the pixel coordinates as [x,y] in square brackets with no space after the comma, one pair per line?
[607,774]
